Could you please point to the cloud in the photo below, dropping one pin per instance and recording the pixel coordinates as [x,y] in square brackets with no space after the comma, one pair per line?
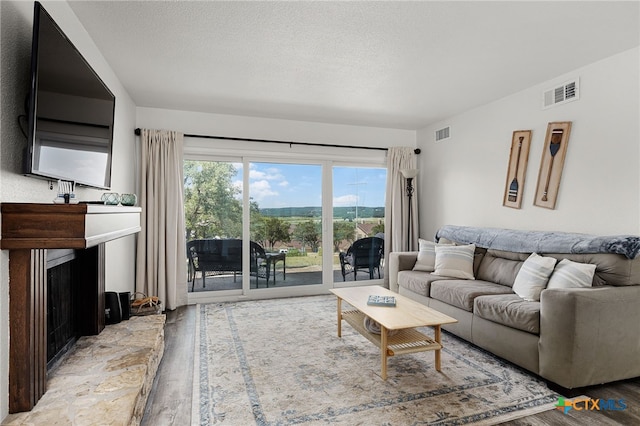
[261,189]
[270,173]
[345,200]
[261,181]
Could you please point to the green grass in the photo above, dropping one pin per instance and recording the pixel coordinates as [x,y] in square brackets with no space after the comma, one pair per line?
[312,259]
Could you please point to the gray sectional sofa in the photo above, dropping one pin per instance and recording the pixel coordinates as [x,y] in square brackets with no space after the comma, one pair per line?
[573,337]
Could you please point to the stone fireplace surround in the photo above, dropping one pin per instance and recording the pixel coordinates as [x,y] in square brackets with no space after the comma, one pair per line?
[28,232]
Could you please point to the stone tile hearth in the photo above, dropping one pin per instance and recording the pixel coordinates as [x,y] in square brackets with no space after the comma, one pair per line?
[105,379]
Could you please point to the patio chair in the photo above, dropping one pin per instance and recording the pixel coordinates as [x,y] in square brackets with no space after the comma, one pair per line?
[258,262]
[364,254]
[217,256]
[214,256]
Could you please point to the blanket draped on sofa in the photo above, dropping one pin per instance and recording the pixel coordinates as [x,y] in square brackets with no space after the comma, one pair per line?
[541,241]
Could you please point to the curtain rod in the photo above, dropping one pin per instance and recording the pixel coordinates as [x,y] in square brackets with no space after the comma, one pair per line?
[227,138]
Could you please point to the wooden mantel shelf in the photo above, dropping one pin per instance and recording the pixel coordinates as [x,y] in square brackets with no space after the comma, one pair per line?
[74,226]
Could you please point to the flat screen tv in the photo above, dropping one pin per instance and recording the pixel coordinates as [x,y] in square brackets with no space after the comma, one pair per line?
[70,111]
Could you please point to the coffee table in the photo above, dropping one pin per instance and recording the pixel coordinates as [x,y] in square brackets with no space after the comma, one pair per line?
[404,317]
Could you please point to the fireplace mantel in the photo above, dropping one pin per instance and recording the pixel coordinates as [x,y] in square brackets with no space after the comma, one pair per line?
[78,226]
[28,231]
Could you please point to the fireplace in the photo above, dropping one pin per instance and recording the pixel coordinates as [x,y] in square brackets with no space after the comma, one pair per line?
[62,285]
[34,235]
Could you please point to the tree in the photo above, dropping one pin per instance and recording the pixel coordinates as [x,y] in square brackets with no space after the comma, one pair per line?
[276,229]
[211,204]
[342,231]
[257,224]
[308,233]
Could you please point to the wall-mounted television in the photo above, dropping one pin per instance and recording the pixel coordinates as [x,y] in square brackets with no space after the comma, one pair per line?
[70,111]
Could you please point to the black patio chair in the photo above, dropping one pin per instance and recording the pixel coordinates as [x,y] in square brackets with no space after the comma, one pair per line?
[214,256]
[217,256]
[258,262]
[364,254]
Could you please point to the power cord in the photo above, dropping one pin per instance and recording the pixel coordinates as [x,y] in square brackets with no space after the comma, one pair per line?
[24,117]
[22,128]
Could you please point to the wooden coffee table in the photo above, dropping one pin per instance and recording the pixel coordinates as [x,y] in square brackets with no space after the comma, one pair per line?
[404,317]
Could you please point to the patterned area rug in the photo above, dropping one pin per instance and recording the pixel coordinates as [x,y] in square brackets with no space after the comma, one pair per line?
[280,362]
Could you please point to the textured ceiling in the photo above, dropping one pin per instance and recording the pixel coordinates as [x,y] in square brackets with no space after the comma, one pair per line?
[384,64]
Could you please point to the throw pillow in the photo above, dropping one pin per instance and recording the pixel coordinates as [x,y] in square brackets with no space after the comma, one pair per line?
[426,256]
[569,274]
[533,277]
[454,261]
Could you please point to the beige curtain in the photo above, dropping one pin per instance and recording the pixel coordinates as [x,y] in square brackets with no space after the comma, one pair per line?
[397,205]
[161,258]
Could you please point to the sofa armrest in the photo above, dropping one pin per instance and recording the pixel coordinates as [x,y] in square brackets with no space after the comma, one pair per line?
[590,335]
[400,261]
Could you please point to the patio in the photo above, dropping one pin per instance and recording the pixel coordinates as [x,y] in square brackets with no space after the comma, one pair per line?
[294,277]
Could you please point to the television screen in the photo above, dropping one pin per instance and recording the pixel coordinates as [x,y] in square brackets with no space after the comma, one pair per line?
[71,111]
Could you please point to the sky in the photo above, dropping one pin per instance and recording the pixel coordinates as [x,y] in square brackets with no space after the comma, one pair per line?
[294,185]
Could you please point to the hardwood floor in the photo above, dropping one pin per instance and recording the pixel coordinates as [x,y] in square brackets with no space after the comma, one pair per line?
[170,402]
[628,390]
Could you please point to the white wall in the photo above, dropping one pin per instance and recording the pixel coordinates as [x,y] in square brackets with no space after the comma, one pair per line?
[462,180]
[15,40]
[268,128]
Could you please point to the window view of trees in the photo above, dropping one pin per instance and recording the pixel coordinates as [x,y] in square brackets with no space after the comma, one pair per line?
[273,230]
[213,207]
[212,204]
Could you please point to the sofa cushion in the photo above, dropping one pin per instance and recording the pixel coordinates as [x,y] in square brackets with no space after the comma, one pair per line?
[611,269]
[478,255]
[455,261]
[461,293]
[418,282]
[510,310]
[569,274]
[533,276]
[500,267]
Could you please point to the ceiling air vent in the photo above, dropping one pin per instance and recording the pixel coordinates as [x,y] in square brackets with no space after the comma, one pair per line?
[567,92]
[443,134]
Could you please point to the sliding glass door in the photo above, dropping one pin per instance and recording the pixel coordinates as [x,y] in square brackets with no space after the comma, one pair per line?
[213,225]
[286,223]
[358,223]
[265,228]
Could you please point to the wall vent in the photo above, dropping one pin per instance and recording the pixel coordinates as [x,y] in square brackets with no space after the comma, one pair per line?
[443,134]
[566,92]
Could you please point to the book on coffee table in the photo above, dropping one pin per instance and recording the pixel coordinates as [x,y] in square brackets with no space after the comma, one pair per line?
[381,300]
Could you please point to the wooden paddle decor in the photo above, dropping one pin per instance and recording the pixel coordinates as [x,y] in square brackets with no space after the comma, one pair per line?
[517,169]
[551,164]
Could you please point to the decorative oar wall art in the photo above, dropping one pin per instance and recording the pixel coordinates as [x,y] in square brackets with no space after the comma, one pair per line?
[517,169]
[551,164]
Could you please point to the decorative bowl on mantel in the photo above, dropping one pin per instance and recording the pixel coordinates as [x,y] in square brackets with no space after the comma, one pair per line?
[111,198]
[128,199]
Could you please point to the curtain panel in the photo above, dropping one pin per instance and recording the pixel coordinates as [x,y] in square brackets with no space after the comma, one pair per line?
[396,225]
[161,255]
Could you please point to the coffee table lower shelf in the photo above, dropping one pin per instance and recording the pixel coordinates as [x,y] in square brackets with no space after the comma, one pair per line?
[405,341]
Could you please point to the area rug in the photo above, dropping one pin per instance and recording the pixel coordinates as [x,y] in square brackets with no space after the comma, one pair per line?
[280,362]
